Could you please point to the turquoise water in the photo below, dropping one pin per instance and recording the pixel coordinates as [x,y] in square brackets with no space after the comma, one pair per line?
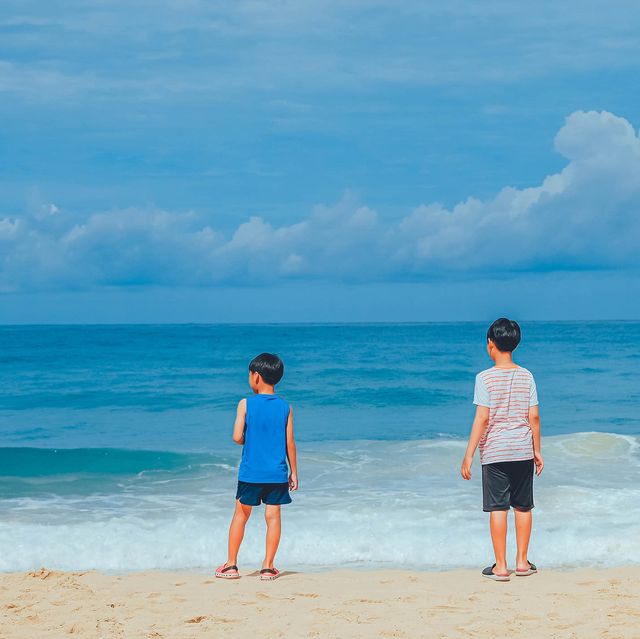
[115,448]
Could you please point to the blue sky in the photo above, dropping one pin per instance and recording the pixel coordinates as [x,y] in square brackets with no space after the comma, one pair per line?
[355,160]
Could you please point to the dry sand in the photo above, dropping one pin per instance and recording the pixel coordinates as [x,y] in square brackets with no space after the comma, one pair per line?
[342,604]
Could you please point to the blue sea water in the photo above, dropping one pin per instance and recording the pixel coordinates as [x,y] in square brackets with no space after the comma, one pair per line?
[116,451]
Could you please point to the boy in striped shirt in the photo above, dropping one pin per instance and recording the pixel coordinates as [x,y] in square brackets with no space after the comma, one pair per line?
[507,430]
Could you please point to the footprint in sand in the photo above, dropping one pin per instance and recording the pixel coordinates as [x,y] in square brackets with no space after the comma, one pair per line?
[409,599]
[109,627]
[446,608]
[43,573]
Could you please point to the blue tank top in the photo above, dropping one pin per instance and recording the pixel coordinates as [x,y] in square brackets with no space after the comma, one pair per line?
[264,455]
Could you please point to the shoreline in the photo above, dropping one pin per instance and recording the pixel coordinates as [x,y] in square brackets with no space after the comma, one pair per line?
[249,569]
[580,602]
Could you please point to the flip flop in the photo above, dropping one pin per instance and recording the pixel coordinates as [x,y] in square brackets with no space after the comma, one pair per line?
[227,572]
[269,574]
[525,573]
[489,574]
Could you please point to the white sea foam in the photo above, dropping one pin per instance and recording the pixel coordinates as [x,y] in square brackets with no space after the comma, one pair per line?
[361,503]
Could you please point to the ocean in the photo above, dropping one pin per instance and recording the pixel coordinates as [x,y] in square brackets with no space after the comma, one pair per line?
[116,451]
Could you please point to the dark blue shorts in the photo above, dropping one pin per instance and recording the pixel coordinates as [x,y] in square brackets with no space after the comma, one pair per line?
[251,494]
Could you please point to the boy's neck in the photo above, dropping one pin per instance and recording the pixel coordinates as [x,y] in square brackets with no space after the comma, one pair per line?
[265,389]
[504,360]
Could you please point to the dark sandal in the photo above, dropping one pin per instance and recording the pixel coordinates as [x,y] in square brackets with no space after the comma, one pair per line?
[525,573]
[489,574]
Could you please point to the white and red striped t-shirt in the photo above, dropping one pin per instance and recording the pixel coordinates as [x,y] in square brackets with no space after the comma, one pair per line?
[508,393]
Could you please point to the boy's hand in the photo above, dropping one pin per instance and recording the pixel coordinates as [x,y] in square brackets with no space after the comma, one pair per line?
[539,462]
[465,469]
[293,481]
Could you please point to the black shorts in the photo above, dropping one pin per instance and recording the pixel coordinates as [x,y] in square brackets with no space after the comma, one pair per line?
[251,494]
[506,484]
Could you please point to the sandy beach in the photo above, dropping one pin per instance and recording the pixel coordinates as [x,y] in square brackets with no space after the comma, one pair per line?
[571,604]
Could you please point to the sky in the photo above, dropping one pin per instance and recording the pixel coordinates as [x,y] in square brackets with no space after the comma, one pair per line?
[188,161]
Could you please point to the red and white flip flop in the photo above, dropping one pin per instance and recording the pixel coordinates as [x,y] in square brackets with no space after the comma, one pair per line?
[269,574]
[227,572]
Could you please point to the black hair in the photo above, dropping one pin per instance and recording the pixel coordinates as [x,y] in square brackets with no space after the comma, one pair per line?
[505,334]
[269,366]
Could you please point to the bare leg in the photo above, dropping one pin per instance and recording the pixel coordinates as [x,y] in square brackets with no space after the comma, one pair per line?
[236,531]
[524,519]
[499,539]
[272,517]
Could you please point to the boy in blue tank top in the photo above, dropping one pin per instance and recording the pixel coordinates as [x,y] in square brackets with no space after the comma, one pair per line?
[264,427]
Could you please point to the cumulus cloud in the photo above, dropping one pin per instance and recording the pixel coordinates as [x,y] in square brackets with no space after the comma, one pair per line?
[587,216]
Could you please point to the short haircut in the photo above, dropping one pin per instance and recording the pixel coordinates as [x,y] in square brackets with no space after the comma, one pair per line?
[269,366]
[505,334]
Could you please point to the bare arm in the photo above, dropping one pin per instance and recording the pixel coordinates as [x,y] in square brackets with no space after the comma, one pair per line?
[238,426]
[291,453]
[480,423]
[534,423]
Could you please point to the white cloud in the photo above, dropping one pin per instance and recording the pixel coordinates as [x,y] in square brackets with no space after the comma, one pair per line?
[585,217]
[223,47]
